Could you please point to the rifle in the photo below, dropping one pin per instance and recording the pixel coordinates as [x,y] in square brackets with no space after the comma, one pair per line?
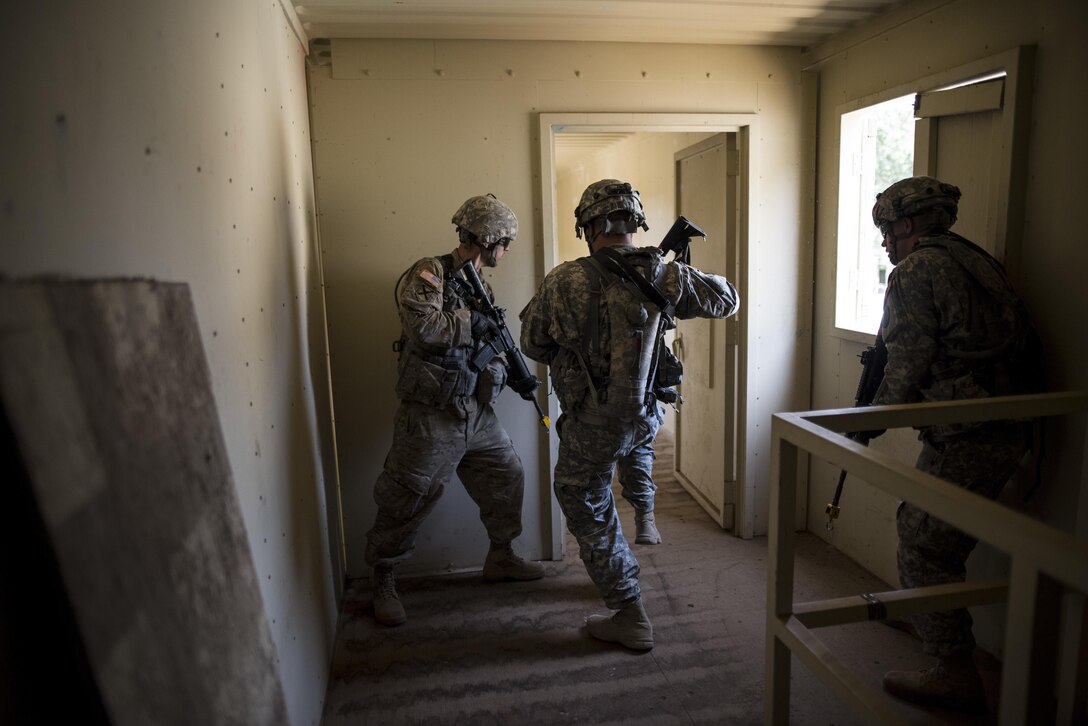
[678,238]
[873,360]
[670,370]
[521,380]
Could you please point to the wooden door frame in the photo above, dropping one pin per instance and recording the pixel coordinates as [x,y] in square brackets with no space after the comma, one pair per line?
[745,125]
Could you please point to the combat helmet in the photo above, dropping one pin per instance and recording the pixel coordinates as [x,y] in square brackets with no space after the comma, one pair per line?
[917,194]
[602,198]
[487,220]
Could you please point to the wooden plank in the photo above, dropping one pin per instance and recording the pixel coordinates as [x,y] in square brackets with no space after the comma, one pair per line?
[1060,555]
[899,603]
[839,679]
[780,539]
[110,402]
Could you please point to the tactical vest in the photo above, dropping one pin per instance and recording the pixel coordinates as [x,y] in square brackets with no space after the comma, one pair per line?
[428,374]
[621,374]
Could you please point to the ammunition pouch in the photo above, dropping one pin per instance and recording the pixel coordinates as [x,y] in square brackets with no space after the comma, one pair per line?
[571,382]
[491,381]
[670,371]
[433,380]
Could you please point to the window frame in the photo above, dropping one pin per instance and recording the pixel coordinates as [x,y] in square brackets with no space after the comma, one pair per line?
[1017,63]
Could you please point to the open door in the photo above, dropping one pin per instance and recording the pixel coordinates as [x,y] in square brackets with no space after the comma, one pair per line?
[706,426]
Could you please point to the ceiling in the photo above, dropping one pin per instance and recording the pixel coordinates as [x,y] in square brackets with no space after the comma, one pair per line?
[801,23]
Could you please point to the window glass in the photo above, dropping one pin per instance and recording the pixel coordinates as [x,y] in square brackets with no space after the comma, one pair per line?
[876,149]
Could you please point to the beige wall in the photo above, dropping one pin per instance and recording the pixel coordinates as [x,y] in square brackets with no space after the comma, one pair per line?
[918,40]
[405,130]
[645,159]
[172,141]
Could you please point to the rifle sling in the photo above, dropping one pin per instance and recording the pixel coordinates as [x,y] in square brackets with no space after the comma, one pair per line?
[613,261]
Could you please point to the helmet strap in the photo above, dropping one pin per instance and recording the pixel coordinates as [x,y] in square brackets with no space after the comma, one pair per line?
[490,256]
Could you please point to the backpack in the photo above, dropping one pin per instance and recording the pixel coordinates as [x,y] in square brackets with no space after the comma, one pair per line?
[1016,366]
[630,311]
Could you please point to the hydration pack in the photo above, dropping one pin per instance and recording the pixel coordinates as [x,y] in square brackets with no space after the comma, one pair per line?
[1015,365]
[628,312]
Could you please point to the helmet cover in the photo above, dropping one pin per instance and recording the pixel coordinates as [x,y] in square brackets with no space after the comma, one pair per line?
[911,196]
[487,219]
[602,198]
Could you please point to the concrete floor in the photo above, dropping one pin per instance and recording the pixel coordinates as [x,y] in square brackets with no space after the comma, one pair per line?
[515,653]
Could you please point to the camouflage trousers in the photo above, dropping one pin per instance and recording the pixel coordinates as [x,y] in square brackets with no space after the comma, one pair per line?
[588,454]
[932,552]
[636,471]
[428,446]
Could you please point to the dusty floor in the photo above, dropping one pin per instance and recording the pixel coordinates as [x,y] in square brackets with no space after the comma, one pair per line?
[476,653]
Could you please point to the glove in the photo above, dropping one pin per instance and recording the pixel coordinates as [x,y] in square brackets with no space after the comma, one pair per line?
[482,325]
[526,387]
[864,437]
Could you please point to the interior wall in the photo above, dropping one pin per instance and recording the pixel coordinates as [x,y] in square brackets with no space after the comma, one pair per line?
[645,159]
[404,131]
[917,40]
[171,141]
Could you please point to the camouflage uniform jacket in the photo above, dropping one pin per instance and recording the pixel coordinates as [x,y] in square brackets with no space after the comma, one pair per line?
[955,329]
[436,333]
[554,321]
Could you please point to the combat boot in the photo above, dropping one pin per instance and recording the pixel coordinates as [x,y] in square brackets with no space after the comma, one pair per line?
[646,529]
[503,564]
[629,626]
[953,683]
[387,607]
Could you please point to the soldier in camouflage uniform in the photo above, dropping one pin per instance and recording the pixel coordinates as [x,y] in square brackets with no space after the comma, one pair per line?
[601,365]
[954,329]
[445,420]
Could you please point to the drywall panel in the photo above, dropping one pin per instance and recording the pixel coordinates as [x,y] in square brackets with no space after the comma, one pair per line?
[778,305]
[928,38]
[396,153]
[171,141]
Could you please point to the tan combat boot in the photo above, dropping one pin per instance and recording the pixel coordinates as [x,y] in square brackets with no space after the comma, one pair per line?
[503,564]
[953,683]
[646,529]
[629,626]
[387,607]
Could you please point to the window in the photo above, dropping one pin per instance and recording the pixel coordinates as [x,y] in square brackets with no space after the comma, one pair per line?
[876,149]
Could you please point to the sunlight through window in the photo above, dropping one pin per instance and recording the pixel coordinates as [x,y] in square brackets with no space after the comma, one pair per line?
[876,149]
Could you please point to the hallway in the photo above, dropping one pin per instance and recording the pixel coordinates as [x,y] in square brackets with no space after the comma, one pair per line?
[474,653]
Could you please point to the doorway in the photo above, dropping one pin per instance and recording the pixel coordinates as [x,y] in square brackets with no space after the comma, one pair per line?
[578,149]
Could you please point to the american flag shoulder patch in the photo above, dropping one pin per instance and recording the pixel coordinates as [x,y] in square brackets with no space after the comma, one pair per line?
[429,277]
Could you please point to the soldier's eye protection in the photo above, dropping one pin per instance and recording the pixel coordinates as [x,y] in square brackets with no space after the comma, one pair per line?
[504,242]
